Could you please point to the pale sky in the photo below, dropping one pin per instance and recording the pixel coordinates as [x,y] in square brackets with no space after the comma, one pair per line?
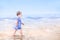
[8,8]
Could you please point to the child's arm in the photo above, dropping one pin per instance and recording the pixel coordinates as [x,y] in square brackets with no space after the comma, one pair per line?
[22,23]
[16,22]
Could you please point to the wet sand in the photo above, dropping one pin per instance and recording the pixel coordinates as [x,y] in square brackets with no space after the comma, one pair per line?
[33,34]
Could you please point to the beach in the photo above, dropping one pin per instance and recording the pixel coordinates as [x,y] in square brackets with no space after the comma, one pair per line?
[32,30]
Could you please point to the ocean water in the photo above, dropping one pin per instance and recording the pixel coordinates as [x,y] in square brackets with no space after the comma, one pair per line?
[6,24]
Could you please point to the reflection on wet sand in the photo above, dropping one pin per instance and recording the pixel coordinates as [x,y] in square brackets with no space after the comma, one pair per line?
[17,37]
[35,34]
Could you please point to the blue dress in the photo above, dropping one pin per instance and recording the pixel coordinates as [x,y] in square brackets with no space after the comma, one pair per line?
[19,24]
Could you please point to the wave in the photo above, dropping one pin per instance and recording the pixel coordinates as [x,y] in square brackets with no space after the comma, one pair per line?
[43,17]
[34,18]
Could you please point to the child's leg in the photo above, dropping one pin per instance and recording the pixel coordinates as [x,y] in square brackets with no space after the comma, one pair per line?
[21,32]
[14,32]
